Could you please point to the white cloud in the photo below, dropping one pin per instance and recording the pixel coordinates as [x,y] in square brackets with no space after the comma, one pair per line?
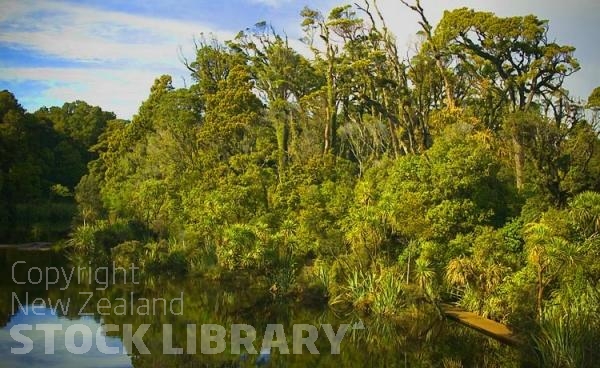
[121,91]
[88,34]
[124,52]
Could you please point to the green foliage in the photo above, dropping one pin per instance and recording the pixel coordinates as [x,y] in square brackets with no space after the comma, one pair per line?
[488,261]
[95,242]
[594,99]
[376,291]
[435,197]
[239,248]
[564,338]
[42,157]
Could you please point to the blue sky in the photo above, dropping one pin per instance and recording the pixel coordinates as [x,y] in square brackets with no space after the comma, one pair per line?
[108,52]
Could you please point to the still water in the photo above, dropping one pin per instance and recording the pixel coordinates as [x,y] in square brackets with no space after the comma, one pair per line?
[417,339]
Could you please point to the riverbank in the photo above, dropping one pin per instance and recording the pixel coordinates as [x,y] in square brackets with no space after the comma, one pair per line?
[28,246]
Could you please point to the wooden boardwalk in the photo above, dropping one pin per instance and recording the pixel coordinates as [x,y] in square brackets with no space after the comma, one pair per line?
[486,326]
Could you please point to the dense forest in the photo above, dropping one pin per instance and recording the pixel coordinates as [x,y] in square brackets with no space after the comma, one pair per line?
[42,158]
[465,172]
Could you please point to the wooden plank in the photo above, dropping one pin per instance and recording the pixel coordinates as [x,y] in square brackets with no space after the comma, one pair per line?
[486,326]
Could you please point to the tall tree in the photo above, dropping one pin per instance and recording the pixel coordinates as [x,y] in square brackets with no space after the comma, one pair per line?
[282,77]
[515,55]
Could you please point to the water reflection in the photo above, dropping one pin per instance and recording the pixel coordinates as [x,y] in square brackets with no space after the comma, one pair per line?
[419,339]
[61,355]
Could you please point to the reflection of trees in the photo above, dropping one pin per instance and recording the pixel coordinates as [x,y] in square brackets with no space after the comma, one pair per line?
[416,338]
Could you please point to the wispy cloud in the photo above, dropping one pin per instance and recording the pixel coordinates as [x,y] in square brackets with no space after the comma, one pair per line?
[119,54]
[90,34]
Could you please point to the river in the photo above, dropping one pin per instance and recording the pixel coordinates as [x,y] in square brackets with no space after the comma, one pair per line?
[50,320]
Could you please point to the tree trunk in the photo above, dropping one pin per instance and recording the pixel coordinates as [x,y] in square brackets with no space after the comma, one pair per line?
[540,294]
[331,126]
[447,85]
[282,143]
[391,127]
[519,158]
